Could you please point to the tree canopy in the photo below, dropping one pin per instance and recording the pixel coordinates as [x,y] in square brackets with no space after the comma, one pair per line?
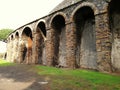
[4,33]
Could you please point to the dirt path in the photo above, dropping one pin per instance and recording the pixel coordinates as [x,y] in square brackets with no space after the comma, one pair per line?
[21,77]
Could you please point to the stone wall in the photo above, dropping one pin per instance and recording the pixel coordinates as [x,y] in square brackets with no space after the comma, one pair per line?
[83,34]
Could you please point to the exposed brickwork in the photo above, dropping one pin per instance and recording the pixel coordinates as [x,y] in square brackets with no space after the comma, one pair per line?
[103,42]
[43,47]
[34,50]
[50,48]
[71,45]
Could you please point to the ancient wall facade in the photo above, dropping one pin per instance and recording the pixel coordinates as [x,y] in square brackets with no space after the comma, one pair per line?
[84,34]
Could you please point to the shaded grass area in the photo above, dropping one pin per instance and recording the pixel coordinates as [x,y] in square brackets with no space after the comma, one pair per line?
[63,79]
[5,63]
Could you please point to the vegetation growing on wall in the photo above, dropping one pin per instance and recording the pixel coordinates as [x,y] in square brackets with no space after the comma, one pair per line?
[4,33]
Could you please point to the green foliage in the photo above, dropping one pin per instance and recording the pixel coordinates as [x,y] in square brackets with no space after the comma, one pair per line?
[62,79]
[4,33]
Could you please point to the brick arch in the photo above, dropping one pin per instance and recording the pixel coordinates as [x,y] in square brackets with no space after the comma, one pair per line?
[12,37]
[27,35]
[26,28]
[83,18]
[16,34]
[41,22]
[58,38]
[85,4]
[15,47]
[26,44]
[59,13]
[39,41]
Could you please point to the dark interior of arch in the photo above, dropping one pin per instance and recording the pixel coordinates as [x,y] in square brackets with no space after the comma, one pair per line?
[114,15]
[12,37]
[27,32]
[85,38]
[41,30]
[17,35]
[27,46]
[58,24]
[42,27]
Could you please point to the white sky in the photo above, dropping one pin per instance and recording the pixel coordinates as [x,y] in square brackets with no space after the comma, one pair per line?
[15,13]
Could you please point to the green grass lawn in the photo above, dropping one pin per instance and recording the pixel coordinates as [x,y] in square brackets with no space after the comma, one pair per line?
[66,79]
[5,63]
[63,79]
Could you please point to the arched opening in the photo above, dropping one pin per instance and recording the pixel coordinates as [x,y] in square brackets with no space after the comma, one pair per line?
[26,45]
[85,38]
[59,40]
[11,48]
[16,42]
[16,35]
[27,33]
[114,16]
[40,40]
[12,37]
[42,27]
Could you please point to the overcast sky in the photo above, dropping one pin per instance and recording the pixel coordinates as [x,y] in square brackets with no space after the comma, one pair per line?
[15,13]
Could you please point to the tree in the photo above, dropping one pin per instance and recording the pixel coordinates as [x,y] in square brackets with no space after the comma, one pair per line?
[4,33]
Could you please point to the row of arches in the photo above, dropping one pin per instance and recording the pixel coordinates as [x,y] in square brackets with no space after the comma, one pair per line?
[84,20]
[20,44]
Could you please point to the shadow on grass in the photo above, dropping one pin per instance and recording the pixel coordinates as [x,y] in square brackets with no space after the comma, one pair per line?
[21,73]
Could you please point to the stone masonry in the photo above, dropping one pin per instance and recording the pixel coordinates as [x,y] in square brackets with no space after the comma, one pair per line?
[76,34]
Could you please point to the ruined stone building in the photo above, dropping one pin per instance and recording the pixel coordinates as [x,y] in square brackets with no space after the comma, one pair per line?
[76,34]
